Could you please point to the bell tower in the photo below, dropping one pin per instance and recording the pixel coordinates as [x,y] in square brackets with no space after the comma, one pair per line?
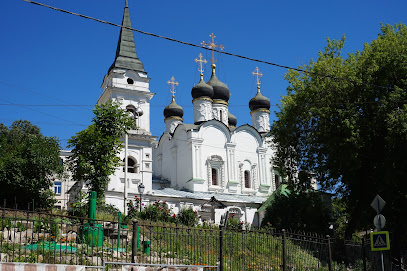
[126,82]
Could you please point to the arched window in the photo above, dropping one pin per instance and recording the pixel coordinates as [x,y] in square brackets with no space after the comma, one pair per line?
[130,81]
[214,176]
[131,165]
[247,179]
[220,115]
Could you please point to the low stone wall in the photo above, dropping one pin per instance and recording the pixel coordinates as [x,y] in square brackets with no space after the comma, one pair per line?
[39,267]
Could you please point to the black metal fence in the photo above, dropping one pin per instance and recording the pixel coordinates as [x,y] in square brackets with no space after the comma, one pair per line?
[50,238]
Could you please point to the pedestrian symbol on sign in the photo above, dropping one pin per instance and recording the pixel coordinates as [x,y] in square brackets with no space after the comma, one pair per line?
[380,240]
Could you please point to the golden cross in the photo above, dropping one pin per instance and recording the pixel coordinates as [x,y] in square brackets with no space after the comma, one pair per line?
[212,45]
[258,75]
[172,83]
[200,60]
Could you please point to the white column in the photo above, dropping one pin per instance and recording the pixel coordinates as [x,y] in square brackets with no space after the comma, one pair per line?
[196,162]
[175,166]
[230,157]
[254,176]
[196,144]
[241,177]
[262,167]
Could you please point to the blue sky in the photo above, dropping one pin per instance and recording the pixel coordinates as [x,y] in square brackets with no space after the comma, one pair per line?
[53,64]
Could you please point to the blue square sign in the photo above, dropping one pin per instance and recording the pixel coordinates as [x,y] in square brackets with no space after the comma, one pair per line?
[379,240]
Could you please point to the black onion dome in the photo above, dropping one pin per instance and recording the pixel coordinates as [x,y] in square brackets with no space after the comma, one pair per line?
[220,90]
[173,110]
[232,119]
[259,102]
[202,89]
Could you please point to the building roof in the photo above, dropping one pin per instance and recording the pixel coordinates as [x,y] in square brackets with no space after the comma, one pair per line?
[126,56]
[281,190]
[173,110]
[172,193]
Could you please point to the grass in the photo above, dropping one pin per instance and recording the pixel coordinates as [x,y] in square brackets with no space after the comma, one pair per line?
[241,250]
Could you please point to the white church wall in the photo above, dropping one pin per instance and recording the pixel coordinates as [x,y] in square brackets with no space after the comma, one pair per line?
[184,159]
[215,136]
[162,151]
[247,143]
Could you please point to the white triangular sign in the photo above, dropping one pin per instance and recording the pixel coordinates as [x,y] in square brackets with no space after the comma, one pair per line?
[379,242]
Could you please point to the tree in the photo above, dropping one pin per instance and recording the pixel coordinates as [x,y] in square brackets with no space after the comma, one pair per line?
[96,149]
[345,120]
[29,161]
[299,211]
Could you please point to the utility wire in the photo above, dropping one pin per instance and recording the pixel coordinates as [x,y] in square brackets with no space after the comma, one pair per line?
[209,49]
[50,105]
[75,123]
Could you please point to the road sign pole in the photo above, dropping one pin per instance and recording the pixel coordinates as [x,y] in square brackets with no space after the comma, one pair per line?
[379,218]
[380,228]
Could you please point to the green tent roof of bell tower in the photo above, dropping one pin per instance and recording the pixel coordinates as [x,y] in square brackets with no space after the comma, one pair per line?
[126,56]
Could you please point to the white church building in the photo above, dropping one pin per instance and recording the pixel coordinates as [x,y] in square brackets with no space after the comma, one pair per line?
[211,165]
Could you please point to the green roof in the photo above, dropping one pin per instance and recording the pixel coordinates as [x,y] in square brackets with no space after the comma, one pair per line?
[126,56]
[281,190]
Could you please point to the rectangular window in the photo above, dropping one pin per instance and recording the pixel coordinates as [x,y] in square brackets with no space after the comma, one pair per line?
[57,188]
[247,179]
[214,176]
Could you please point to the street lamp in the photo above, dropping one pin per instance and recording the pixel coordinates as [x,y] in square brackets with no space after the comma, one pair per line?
[141,191]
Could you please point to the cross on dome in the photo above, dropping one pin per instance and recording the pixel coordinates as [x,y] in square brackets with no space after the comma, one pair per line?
[258,75]
[212,45]
[200,61]
[172,84]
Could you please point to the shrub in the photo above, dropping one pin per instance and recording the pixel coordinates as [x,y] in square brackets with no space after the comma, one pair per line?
[234,224]
[133,208]
[188,217]
[158,211]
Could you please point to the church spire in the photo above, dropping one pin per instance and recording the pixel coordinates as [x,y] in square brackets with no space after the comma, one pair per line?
[126,56]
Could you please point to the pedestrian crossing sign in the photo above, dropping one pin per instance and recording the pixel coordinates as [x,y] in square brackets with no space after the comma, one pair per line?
[380,240]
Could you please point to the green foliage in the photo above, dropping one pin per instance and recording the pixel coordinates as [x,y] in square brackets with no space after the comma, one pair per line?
[5,223]
[28,163]
[187,217]
[352,136]
[47,225]
[340,216]
[301,211]
[133,208]
[80,208]
[158,211]
[95,149]
[232,223]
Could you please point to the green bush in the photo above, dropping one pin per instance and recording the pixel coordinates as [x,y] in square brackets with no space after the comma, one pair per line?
[133,208]
[234,224]
[47,225]
[188,217]
[158,211]
[5,223]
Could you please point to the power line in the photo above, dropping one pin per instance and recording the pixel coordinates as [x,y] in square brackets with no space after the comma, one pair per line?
[184,105]
[50,105]
[75,123]
[30,91]
[211,49]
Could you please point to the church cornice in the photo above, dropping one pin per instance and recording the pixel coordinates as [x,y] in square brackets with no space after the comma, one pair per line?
[174,118]
[131,91]
[202,99]
[260,110]
[218,101]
